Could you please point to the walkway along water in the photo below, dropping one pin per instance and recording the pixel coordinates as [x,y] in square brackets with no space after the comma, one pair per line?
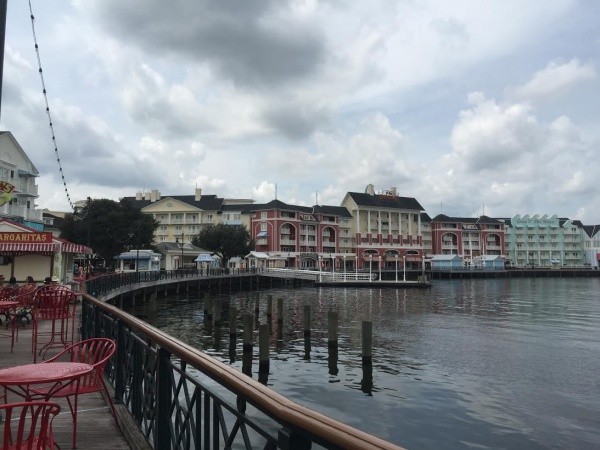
[162,380]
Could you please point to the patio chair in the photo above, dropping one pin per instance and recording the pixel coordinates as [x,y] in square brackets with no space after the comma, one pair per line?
[28,425]
[24,295]
[55,304]
[8,308]
[96,352]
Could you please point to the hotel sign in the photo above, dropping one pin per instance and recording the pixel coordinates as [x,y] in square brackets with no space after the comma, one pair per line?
[25,237]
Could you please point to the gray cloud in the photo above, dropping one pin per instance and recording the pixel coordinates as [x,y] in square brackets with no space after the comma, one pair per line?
[254,43]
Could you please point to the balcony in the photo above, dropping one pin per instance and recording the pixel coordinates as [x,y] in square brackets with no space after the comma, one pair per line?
[285,241]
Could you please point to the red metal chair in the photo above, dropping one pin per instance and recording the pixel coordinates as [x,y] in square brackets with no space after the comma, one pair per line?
[23,314]
[96,352]
[56,304]
[9,308]
[28,425]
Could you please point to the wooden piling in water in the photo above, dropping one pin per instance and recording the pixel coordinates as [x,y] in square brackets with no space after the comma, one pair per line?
[247,333]
[306,321]
[332,329]
[367,343]
[269,307]
[208,308]
[263,348]
[280,319]
[233,321]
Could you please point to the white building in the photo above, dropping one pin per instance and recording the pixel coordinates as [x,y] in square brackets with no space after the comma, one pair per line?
[18,188]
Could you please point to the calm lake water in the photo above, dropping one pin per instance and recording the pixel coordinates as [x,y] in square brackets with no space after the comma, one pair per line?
[503,363]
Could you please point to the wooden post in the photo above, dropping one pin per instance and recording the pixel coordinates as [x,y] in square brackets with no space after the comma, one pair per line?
[306,327]
[247,333]
[306,321]
[367,343]
[232,321]
[269,307]
[263,348]
[208,309]
[332,327]
[280,319]
[217,311]
[257,304]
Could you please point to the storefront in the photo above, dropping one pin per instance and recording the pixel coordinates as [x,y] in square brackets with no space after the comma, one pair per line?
[27,252]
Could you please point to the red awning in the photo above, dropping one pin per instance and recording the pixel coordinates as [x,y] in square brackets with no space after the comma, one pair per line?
[69,247]
[28,247]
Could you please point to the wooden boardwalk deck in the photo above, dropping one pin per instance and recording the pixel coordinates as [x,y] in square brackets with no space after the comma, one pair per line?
[96,428]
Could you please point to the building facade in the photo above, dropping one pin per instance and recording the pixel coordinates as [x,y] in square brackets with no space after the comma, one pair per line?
[181,217]
[470,237]
[591,245]
[544,241]
[386,230]
[302,237]
[18,187]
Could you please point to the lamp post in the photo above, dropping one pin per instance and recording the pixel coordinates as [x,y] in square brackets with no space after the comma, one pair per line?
[356,267]
[379,267]
[319,262]
[404,265]
[396,258]
[370,267]
[332,264]
[344,258]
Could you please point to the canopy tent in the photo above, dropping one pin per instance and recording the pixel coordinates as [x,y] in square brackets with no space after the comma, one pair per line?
[257,255]
[204,257]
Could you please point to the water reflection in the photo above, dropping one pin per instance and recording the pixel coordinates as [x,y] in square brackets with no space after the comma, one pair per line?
[507,363]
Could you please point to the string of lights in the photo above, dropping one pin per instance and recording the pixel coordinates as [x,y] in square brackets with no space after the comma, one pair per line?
[37,51]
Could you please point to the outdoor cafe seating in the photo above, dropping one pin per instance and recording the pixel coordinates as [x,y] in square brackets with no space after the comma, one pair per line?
[27,425]
[56,304]
[96,352]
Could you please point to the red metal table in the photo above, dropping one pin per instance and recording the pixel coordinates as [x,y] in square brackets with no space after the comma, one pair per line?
[57,375]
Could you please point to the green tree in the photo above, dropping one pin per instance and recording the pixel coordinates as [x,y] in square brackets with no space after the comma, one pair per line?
[227,241]
[109,227]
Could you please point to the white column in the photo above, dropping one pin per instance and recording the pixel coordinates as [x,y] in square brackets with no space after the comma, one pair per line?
[368,221]
[379,222]
[419,224]
[399,223]
[389,222]
[410,224]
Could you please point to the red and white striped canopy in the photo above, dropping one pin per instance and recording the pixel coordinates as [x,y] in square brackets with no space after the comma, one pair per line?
[29,247]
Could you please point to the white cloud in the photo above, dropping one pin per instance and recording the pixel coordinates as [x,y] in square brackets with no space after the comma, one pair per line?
[556,78]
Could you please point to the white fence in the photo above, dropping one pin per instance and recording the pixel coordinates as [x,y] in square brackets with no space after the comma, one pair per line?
[320,276]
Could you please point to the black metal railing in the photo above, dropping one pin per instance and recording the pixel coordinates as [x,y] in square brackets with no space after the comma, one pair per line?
[104,284]
[181,398]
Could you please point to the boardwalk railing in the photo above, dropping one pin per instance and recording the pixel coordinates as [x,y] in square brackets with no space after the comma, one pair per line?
[182,398]
[104,284]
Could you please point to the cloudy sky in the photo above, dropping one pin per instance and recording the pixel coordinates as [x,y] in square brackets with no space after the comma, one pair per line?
[470,107]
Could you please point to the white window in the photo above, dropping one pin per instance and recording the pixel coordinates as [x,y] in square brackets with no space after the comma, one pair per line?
[263,215]
[263,226]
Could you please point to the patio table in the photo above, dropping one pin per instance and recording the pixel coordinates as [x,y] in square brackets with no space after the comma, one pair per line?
[18,379]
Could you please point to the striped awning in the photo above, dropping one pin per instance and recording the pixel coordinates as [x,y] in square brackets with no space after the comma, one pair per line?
[69,247]
[29,247]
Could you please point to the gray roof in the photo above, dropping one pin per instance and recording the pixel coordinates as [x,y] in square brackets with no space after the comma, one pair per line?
[473,220]
[206,202]
[385,201]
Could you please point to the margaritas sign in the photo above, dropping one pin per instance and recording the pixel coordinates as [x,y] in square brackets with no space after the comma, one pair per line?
[25,237]
[5,192]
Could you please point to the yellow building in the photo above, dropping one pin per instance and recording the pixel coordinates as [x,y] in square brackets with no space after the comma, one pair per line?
[181,217]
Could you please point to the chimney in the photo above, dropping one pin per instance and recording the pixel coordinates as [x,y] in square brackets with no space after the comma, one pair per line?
[138,196]
[147,195]
[198,194]
[394,191]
